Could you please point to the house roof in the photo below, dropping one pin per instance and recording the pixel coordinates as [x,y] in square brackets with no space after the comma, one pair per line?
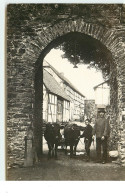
[52,85]
[100,84]
[46,64]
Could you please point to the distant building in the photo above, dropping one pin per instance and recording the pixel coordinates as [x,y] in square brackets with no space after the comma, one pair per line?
[71,100]
[102,95]
[89,109]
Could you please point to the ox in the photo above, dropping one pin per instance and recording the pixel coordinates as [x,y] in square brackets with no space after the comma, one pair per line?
[71,135]
[52,136]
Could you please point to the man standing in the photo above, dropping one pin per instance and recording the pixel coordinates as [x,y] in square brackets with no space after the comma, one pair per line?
[102,132]
[87,134]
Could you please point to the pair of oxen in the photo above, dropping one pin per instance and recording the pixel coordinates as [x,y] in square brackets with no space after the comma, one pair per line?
[54,138]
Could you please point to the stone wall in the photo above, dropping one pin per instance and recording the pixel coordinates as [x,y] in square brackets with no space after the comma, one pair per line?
[32,31]
[112,111]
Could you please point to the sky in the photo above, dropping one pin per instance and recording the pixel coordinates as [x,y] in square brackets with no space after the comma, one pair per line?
[82,78]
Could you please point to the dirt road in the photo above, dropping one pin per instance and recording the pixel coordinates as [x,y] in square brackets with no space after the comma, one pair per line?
[67,169]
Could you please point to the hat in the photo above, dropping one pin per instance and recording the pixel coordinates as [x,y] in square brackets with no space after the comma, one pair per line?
[101,110]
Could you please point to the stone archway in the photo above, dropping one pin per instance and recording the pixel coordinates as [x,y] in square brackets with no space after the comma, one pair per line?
[107,37]
[36,48]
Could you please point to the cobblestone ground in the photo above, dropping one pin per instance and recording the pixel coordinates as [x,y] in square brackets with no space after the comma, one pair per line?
[67,169]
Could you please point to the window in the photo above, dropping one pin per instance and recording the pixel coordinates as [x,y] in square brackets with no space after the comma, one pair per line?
[65,110]
[52,108]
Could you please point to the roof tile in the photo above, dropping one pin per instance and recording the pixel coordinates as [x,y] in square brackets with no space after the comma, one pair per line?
[52,85]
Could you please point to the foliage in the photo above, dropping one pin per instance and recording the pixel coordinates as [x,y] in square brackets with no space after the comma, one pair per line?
[81,48]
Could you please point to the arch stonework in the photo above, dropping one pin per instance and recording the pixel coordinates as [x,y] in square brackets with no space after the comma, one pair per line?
[32,58]
[108,37]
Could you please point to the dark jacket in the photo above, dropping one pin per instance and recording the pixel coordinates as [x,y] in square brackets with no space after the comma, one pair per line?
[87,132]
[101,128]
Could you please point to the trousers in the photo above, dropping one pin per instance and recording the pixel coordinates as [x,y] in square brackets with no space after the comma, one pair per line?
[87,146]
[101,144]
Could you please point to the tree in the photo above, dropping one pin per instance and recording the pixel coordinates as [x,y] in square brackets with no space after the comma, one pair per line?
[81,48]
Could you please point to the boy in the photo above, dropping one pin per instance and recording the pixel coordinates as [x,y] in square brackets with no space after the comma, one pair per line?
[87,134]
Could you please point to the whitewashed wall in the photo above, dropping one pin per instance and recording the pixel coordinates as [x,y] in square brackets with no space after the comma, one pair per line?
[102,95]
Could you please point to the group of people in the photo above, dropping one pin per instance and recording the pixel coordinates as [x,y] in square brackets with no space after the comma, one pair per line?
[101,131]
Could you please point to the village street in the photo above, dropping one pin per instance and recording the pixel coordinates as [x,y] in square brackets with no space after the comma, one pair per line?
[68,169]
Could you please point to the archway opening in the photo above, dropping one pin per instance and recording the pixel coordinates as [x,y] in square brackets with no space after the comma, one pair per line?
[81,49]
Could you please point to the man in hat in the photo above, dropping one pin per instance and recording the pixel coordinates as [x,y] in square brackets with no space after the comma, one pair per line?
[102,131]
